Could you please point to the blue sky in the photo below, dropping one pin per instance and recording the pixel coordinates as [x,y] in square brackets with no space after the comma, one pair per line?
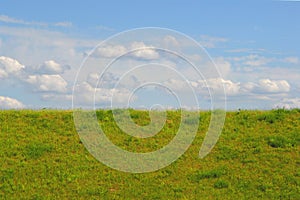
[255,44]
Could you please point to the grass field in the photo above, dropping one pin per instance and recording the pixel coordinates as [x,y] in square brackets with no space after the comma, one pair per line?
[256,157]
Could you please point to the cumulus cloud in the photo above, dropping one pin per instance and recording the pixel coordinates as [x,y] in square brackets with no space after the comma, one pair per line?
[273,86]
[218,85]
[107,80]
[10,103]
[47,83]
[10,66]
[44,78]
[266,89]
[143,51]
[3,73]
[178,84]
[248,87]
[84,94]
[215,85]
[263,86]
[52,67]
[288,103]
[267,86]
[140,51]
[110,51]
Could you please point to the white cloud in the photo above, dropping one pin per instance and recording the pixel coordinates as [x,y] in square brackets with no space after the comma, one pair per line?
[47,83]
[140,51]
[93,79]
[177,84]
[194,57]
[211,42]
[3,74]
[108,80]
[231,88]
[18,73]
[10,66]
[218,85]
[255,60]
[288,103]
[275,86]
[11,20]
[215,85]
[34,46]
[84,94]
[223,65]
[47,38]
[7,19]
[251,62]
[292,60]
[110,51]
[264,86]
[10,103]
[170,41]
[143,51]
[52,67]
[248,87]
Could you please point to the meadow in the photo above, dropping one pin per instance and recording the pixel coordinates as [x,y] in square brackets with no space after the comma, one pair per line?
[256,157]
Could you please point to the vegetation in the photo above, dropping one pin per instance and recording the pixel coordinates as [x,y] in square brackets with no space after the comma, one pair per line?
[256,157]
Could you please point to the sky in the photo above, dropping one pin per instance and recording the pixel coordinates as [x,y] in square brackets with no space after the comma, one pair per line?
[254,44]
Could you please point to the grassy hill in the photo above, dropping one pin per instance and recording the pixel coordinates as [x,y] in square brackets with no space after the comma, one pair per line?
[257,156]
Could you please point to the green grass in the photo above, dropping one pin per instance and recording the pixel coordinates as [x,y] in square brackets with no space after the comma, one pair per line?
[257,157]
[220,184]
[36,150]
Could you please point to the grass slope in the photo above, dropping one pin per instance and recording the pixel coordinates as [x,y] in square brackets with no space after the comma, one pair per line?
[257,156]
